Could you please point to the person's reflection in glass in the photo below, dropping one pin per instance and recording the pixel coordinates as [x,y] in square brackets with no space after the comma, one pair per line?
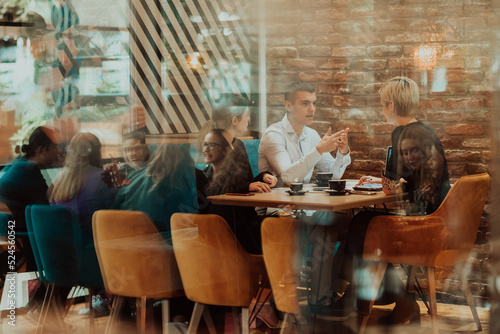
[167,185]
[423,166]
[79,186]
[225,175]
[135,151]
[23,184]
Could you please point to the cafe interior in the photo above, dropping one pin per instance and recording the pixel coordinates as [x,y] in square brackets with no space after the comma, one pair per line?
[157,175]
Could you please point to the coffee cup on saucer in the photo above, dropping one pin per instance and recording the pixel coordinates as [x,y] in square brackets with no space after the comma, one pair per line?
[295,187]
[322,178]
[337,185]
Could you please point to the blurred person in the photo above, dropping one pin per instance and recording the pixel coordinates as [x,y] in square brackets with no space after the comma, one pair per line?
[291,150]
[234,120]
[79,185]
[80,188]
[135,152]
[224,175]
[167,185]
[23,183]
[412,145]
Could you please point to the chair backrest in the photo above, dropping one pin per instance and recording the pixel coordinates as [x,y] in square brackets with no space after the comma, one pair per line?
[462,210]
[214,267]
[135,259]
[252,147]
[443,238]
[280,244]
[52,240]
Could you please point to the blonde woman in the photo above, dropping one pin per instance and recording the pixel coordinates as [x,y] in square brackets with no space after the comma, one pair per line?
[79,185]
[412,143]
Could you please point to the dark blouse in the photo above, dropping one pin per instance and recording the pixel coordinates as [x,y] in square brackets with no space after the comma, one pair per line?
[395,170]
[21,185]
[235,177]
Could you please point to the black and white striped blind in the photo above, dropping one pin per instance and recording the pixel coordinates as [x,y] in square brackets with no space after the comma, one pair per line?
[185,55]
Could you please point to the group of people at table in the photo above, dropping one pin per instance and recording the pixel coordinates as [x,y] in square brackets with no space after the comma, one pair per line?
[166,181]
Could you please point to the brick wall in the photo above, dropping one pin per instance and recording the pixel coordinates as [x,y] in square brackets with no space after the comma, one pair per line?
[346,49]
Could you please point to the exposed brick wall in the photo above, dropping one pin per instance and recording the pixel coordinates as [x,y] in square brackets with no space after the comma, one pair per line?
[346,49]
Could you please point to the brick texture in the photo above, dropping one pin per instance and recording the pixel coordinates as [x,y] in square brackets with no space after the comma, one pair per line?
[347,49]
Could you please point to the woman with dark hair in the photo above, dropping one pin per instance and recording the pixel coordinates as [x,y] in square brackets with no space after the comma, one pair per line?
[221,176]
[423,166]
[79,185]
[23,183]
[233,120]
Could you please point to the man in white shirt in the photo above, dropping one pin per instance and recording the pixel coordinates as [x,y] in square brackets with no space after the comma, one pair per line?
[291,150]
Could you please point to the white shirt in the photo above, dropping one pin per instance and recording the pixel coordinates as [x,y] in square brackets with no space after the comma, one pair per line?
[293,158]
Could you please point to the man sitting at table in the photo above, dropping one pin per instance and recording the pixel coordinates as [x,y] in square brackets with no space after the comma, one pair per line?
[291,150]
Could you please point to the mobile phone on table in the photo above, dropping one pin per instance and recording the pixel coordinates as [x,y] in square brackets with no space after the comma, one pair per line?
[368,187]
[240,194]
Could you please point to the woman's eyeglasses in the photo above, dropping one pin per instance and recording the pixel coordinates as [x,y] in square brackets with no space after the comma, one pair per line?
[136,148]
[211,145]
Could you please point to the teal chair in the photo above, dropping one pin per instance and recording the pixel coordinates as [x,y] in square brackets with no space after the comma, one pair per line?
[252,147]
[64,256]
[50,230]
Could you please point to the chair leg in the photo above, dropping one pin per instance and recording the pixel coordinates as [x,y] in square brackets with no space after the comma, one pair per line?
[45,307]
[195,317]
[411,279]
[286,318]
[141,314]
[431,280]
[59,316]
[377,281]
[209,321]
[244,320]
[115,312]
[469,298]
[91,310]
[236,320]
[165,315]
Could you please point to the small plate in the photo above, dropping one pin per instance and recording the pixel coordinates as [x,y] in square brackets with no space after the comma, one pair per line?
[298,193]
[337,193]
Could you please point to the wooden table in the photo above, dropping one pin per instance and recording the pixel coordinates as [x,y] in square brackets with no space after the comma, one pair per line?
[310,201]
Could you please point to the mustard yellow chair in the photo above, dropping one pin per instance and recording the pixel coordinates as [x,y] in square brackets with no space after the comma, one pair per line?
[135,261]
[214,267]
[280,237]
[443,238]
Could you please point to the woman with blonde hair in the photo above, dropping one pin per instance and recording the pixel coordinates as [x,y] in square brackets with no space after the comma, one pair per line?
[79,185]
[408,166]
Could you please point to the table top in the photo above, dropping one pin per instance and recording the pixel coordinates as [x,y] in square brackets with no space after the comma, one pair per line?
[311,200]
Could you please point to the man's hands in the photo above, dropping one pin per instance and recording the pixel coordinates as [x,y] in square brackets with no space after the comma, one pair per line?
[331,142]
[270,179]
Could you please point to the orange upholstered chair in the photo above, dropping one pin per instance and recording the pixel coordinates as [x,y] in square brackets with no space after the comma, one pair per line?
[214,267]
[135,261]
[443,238]
[280,237]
